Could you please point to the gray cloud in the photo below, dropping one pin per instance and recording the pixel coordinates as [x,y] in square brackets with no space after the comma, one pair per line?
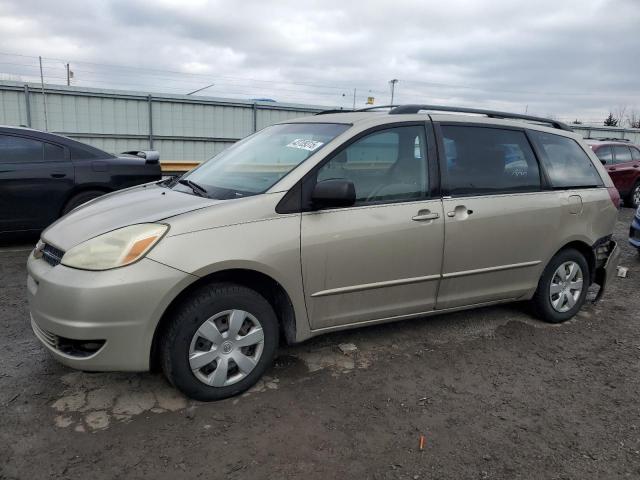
[569,59]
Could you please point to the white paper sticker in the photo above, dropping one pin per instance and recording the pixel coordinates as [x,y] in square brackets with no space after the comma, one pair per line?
[303,144]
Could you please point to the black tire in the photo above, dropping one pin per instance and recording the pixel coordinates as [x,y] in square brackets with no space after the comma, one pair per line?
[634,193]
[541,300]
[80,198]
[203,304]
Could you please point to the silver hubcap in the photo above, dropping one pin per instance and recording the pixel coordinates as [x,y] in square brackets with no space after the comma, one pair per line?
[226,348]
[566,286]
[636,195]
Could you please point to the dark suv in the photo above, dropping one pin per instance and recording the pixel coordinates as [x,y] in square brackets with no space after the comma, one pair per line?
[44,176]
[622,160]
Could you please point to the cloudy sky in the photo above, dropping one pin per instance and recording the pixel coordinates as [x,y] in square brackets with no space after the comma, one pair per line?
[564,58]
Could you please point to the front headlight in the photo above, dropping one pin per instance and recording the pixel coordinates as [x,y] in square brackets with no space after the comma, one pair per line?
[115,249]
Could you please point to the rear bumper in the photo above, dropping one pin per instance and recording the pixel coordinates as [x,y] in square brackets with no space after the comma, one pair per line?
[607,271]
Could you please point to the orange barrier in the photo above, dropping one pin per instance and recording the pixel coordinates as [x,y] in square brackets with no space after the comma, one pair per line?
[169,166]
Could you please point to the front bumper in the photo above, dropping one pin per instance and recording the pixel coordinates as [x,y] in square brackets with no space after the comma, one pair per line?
[634,232]
[114,312]
[606,272]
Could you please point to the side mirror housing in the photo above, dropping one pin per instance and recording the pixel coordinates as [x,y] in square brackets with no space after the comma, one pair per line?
[333,193]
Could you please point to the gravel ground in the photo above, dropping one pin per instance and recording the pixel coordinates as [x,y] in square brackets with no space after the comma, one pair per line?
[494,392]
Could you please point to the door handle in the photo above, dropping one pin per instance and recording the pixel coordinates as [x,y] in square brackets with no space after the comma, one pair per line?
[460,211]
[612,169]
[424,215]
[636,166]
[58,175]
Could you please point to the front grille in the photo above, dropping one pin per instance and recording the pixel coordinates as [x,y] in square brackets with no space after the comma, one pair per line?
[52,255]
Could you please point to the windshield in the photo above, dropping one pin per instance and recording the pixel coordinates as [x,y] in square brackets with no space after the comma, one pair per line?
[255,164]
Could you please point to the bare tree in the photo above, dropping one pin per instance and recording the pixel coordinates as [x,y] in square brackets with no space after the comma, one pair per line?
[633,119]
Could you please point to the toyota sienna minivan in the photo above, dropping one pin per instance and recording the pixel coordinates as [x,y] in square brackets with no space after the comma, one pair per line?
[319,224]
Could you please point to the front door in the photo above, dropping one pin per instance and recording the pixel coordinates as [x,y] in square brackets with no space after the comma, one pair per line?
[381,258]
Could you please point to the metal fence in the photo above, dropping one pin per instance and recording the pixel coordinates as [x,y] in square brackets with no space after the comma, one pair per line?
[631,134]
[180,127]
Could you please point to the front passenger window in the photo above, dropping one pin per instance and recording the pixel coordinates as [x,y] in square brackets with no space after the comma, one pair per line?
[385,166]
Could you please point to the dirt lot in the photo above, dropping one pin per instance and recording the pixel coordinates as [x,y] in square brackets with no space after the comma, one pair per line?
[496,394]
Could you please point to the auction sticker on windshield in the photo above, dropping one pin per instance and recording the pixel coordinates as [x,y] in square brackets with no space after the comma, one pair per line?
[303,144]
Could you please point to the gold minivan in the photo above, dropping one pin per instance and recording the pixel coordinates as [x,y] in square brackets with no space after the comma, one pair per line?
[318,224]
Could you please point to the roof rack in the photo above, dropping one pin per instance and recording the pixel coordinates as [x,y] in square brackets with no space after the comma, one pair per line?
[415,108]
[403,109]
[348,110]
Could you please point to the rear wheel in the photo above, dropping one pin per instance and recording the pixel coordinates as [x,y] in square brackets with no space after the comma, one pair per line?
[633,199]
[80,198]
[562,289]
[219,342]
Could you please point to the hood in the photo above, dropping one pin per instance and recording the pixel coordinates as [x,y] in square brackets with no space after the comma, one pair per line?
[142,204]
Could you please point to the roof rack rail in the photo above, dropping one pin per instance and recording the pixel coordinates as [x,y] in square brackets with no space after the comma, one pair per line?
[376,107]
[333,110]
[348,110]
[489,113]
[611,139]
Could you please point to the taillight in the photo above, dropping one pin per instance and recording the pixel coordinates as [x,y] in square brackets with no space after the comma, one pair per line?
[614,195]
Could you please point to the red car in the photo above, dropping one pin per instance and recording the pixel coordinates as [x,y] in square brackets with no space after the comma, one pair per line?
[622,160]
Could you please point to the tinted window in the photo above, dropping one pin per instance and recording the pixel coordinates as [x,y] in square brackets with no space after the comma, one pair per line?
[605,154]
[567,165]
[385,166]
[80,153]
[19,149]
[623,154]
[488,160]
[635,154]
[53,153]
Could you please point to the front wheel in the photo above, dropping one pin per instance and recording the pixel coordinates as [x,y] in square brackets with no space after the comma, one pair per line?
[219,342]
[562,289]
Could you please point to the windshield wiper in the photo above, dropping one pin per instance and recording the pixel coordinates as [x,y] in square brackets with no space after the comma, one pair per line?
[197,189]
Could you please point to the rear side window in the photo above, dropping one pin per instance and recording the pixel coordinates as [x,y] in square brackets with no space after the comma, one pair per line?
[19,150]
[635,154]
[79,153]
[566,164]
[623,154]
[53,153]
[605,154]
[482,160]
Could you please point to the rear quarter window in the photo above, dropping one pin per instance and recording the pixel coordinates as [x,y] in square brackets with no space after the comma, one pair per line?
[566,163]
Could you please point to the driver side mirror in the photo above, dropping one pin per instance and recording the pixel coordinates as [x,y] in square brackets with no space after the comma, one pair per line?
[333,193]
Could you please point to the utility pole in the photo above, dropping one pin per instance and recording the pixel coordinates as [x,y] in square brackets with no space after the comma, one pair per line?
[393,87]
[44,96]
[68,75]
[354,98]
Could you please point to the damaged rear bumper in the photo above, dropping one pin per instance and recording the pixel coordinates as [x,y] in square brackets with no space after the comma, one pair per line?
[607,256]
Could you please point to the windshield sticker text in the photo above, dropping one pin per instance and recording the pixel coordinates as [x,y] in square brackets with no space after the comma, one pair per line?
[303,144]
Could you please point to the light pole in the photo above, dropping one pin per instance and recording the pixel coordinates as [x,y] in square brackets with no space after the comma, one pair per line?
[393,87]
